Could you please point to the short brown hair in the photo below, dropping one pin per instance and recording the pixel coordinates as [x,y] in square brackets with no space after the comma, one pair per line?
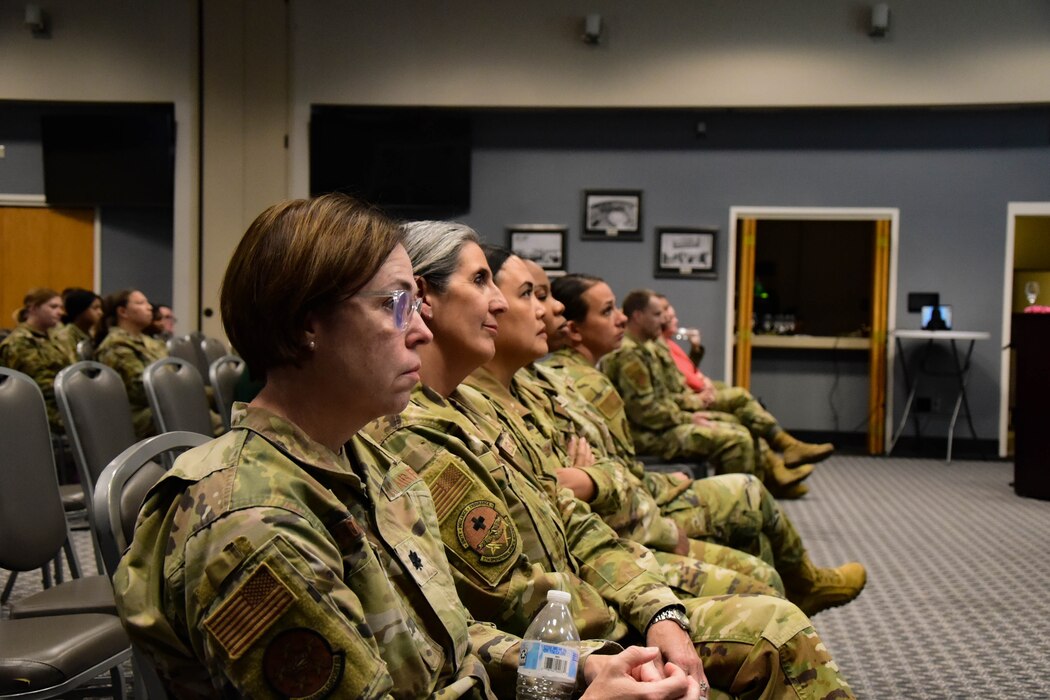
[298,257]
[636,300]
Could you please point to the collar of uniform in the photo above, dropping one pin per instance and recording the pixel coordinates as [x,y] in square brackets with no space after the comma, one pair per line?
[287,437]
[567,357]
[486,383]
[40,335]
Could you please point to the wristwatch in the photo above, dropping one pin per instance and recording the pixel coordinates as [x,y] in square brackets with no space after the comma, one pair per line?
[674,613]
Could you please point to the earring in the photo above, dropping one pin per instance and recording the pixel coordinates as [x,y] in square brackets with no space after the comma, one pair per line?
[312,345]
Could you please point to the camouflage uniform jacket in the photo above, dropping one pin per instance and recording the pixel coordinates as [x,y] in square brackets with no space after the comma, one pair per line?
[650,406]
[39,356]
[666,372]
[558,411]
[265,565]
[129,355]
[70,336]
[595,387]
[512,534]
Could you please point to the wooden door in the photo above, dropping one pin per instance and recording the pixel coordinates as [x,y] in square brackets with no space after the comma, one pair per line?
[43,247]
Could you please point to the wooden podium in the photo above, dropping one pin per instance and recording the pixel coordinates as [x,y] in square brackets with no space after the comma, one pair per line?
[1030,339]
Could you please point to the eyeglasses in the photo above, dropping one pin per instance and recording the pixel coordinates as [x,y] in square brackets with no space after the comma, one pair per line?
[402,305]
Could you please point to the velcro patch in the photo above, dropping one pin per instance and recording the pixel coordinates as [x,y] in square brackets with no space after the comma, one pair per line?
[450,486]
[243,617]
[637,375]
[300,663]
[399,478]
[415,560]
[610,404]
[506,443]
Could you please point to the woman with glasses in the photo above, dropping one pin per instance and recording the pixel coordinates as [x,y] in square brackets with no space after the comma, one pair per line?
[293,557]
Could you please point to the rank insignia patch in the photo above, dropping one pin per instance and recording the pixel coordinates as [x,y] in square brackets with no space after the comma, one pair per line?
[300,663]
[481,528]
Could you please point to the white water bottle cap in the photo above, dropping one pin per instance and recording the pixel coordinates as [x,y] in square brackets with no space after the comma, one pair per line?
[560,596]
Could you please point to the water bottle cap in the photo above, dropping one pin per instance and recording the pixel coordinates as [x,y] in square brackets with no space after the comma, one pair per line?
[559,596]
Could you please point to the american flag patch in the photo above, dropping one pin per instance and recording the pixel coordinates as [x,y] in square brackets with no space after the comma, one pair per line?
[448,489]
[249,612]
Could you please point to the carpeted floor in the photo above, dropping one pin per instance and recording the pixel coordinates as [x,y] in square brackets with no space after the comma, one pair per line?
[957,601]
[958,597]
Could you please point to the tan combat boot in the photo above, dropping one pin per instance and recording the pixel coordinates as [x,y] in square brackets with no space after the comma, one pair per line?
[777,476]
[796,452]
[790,493]
[814,589]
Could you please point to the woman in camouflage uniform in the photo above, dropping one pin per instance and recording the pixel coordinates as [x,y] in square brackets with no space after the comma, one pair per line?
[31,349]
[292,557]
[83,313]
[123,345]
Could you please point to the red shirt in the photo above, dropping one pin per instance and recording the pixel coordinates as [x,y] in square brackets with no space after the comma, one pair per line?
[694,378]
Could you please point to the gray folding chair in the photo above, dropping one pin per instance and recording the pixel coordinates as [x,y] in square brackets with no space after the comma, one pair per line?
[94,406]
[118,496]
[177,397]
[183,346]
[210,349]
[33,527]
[224,373]
[48,657]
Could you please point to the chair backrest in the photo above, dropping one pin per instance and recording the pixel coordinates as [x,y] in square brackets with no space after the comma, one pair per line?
[184,347]
[176,394]
[210,349]
[224,373]
[123,486]
[94,407]
[32,519]
[86,349]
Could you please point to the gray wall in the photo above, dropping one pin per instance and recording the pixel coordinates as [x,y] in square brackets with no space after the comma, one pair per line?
[136,245]
[952,194]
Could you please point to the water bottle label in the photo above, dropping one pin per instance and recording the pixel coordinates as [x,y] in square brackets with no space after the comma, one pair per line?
[552,661]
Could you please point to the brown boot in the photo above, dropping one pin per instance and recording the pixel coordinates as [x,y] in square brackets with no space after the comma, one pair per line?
[778,476]
[814,589]
[796,452]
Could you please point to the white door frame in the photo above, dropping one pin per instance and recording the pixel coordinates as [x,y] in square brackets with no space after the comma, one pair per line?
[827,214]
[1013,210]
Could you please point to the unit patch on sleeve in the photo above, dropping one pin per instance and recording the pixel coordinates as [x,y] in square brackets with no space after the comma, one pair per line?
[300,663]
[481,528]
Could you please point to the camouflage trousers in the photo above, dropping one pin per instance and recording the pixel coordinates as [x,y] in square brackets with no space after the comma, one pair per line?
[739,402]
[728,571]
[737,511]
[763,647]
[709,568]
[728,446]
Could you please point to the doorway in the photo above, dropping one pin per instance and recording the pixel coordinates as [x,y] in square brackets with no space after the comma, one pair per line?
[873,239]
[1027,259]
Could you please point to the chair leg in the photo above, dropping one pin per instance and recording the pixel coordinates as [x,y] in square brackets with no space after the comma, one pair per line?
[118,682]
[8,587]
[71,555]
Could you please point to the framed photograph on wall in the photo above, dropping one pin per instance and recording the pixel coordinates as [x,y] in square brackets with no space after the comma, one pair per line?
[612,215]
[687,253]
[544,244]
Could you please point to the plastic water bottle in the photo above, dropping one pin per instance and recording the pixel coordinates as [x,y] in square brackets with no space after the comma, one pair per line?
[550,652]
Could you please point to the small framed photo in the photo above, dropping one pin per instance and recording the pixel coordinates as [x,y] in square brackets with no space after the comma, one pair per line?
[685,252]
[614,215]
[542,243]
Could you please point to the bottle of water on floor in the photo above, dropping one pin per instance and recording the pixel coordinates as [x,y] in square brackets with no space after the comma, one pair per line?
[550,652]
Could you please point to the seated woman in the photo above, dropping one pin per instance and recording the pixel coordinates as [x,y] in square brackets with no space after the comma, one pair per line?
[528,408]
[293,557]
[83,313]
[31,349]
[122,344]
[512,534]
